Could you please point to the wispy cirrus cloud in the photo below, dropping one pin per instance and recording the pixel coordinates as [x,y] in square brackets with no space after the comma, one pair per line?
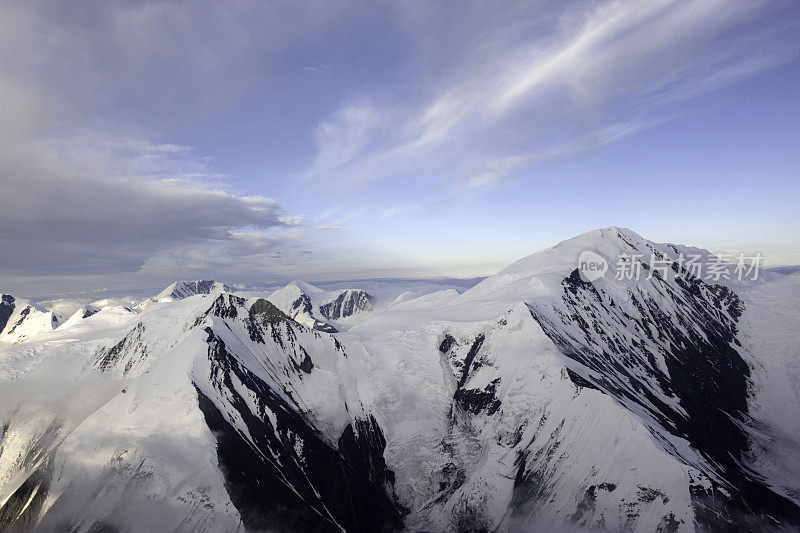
[526,89]
[400,210]
[345,134]
[487,173]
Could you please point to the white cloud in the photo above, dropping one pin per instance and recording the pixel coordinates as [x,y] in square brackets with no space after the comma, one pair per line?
[83,193]
[341,137]
[107,204]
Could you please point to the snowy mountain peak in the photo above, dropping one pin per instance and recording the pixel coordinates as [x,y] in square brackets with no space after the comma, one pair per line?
[563,257]
[306,287]
[320,309]
[347,303]
[628,258]
[20,320]
[184,289]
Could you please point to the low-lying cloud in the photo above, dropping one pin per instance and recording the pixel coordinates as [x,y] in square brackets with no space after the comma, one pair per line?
[108,207]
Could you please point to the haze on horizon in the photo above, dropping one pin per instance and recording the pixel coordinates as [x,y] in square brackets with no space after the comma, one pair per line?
[143,142]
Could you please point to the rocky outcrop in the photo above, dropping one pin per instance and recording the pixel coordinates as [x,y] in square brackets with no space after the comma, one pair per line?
[347,304]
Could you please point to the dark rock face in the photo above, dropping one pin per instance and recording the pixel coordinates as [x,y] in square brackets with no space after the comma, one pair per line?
[285,476]
[532,484]
[702,395]
[461,444]
[447,343]
[89,312]
[467,366]
[346,304]
[6,309]
[477,400]
[266,319]
[20,319]
[307,365]
[184,289]
[200,287]
[362,446]
[226,306]
[470,399]
[267,312]
[20,511]
[131,350]
[576,378]
[303,305]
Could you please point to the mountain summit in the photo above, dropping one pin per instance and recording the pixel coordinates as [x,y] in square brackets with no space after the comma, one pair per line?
[183,289]
[323,310]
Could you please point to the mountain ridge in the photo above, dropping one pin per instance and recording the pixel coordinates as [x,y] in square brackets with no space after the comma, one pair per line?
[535,400]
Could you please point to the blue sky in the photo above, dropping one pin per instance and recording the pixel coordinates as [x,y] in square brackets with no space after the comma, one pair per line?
[256,142]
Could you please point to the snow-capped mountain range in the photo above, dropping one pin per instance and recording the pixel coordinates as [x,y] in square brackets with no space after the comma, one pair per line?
[534,401]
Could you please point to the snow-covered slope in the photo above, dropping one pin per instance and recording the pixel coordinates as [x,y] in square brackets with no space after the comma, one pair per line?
[20,320]
[527,447]
[667,349]
[203,415]
[768,332]
[81,313]
[109,306]
[534,401]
